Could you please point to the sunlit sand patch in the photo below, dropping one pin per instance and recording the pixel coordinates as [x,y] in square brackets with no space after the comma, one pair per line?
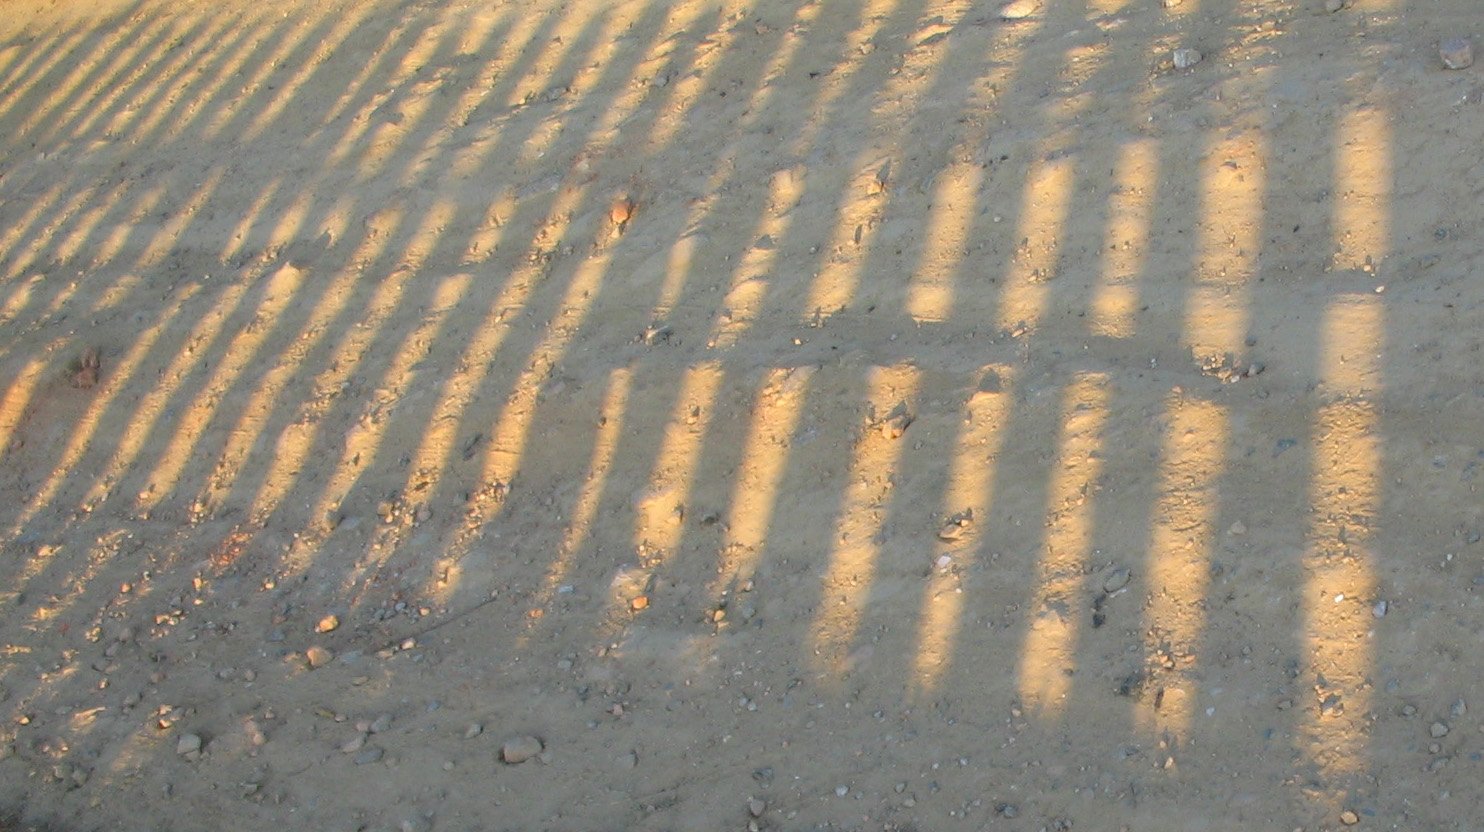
[1048,655]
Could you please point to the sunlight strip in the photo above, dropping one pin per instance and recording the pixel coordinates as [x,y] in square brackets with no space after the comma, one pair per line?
[775,417]
[1345,495]
[605,445]
[1049,653]
[1044,206]
[954,210]
[1181,542]
[680,453]
[970,481]
[1115,299]
[846,585]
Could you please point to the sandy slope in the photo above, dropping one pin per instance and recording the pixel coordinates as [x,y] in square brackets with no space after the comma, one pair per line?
[897,416]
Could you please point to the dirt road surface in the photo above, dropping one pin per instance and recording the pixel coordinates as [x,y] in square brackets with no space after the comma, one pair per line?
[768,415]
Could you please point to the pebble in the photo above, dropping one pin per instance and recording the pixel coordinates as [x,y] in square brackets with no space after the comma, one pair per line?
[318,656]
[382,723]
[1456,53]
[1438,730]
[254,731]
[1018,9]
[1333,6]
[520,749]
[1116,580]
[628,760]
[326,624]
[841,791]
[474,730]
[1380,609]
[621,210]
[1460,708]
[1349,818]
[756,806]
[188,744]
[1009,810]
[353,744]
[1186,58]
[370,755]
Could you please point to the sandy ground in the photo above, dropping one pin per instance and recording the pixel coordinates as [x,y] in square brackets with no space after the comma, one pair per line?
[847,414]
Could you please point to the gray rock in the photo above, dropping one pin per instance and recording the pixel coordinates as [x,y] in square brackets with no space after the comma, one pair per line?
[1186,58]
[1116,580]
[368,756]
[756,807]
[1438,730]
[1456,53]
[382,723]
[519,749]
[188,744]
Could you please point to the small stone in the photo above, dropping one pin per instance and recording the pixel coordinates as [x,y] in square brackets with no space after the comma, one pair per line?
[1380,608]
[1116,580]
[327,624]
[639,603]
[382,723]
[188,744]
[1333,6]
[1170,4]
[621,210]
[1438,730]
[1186,58]
[1333,705]
[1459,708]
[519,749]
[1009,810]
[353,744]
[368,756]
[841,791]
[474,730]
[1018,9]
[1456,53]
[1349,818]
[1237,529]
[756,806]
[628,760]
[318,656]
[254,732]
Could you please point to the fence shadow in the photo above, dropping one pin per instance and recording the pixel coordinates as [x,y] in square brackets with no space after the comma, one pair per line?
[904,414]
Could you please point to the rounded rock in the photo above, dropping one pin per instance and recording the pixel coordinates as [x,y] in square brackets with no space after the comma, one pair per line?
[1018,9]
[519,749]
[318,656]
